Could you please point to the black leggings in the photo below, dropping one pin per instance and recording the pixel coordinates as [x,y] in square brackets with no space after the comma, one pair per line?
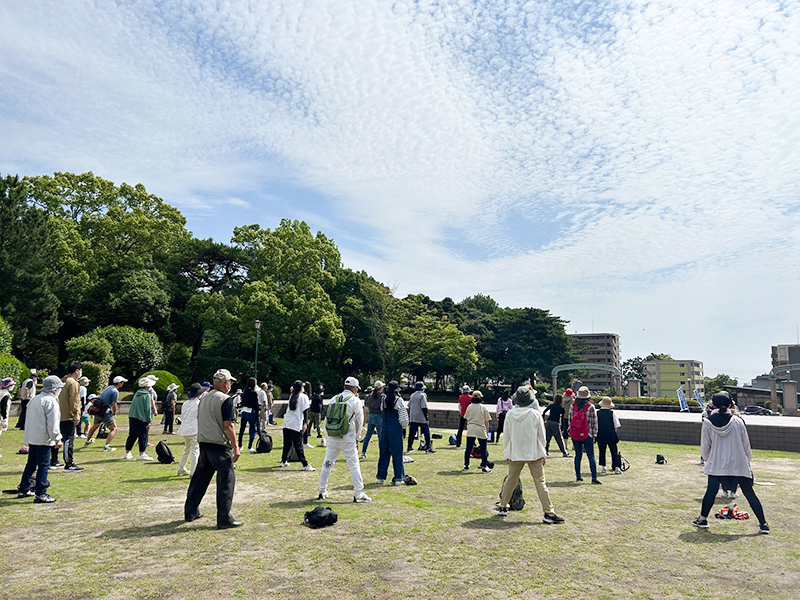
[747,489]
[138,431]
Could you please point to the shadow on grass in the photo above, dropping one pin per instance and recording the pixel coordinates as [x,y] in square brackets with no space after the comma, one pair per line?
[704,536]
[496,523]
[568,484]
[157,530]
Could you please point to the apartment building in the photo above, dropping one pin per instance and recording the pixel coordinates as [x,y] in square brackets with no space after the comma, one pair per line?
[601,348]
[663,378]
[787,354]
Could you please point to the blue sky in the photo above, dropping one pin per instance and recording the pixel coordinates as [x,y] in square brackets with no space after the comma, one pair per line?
[631,166]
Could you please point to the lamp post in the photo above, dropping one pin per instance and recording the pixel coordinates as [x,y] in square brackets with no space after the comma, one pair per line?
[255,367]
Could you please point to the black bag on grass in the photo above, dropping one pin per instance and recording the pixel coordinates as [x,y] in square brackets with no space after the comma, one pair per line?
[164,454]
[660,460]
[517,502]
[264,443]
[321,516]
[292,455]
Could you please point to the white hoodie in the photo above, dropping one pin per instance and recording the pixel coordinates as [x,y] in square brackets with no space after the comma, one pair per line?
[523,434]
[725,448]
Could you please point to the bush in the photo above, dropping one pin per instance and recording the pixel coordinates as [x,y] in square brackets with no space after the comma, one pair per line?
[164,379]
[11,367]
[5,337]
[90,348]
[135,350]
[98,375]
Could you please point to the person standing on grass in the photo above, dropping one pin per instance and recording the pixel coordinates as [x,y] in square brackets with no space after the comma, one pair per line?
[477,417]
[139,418]
[583,432]
[464,400]
[390,440]
[83,382]
[69,405]
[188,429]
[725,446]
[607,425]
[26,393]
[270,403]
[263,407]
[6,389]
[249,413]
[108,412]
[375,418]
[218,453]
[346,444]
[418,418]
[294,425]
[42,434]
[555,412]
[308,392]
[168,406]
[523,444]
[504,405]
[315,412]
[569,399]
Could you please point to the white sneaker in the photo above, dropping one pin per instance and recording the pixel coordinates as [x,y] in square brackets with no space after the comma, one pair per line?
[128,456]
[725,493]
[283,464]
[83,436]
[144,457]
[604,470]
[733,495]
[308,468]
[361,498]
[323,495]
[307,446]
[251,450]
[617,471]
[363,456]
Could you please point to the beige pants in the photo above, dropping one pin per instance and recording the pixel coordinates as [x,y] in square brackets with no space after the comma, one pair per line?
[537,471]
[191,452]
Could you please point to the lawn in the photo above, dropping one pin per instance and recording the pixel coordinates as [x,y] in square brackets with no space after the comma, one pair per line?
[117,531]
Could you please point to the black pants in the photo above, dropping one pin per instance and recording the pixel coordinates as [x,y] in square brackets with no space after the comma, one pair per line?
[554,431]
[213,459]
[424,429]
[470,446]
[68,440]
[747,489]
[292,438]
[462,425]
[137,431]
[308,429]
[169,420]
[501,421]
[23,410]
[612,447]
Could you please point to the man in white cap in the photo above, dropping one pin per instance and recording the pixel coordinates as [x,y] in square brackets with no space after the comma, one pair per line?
[108,412]
[218,451]
[349,405]
[42,434]
[168,406]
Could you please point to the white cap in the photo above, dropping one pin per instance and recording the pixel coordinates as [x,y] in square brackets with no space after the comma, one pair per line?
[224,375]
[52,383]
[92,397]
[119,379]
[172,386]
[378,384]
[351,382]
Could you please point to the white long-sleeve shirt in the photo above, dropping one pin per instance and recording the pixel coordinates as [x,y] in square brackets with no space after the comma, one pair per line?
[355,413]
[42,426]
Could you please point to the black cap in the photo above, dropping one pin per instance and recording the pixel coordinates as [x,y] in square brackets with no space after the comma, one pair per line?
[194,390]
[721,399]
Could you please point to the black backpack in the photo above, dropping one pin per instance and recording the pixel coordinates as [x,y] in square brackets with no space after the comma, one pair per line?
[164,454]
[660,460]
[264,443]
[321,516]
[291,456]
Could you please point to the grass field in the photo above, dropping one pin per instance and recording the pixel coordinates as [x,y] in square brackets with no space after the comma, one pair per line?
[117,531]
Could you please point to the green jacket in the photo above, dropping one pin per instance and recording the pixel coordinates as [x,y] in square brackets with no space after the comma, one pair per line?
[141,406]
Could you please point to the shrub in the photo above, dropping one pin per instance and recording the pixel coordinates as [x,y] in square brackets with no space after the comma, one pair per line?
[98,375]
[135,350]
[5,337]
[90,348]
[164,379]
[11,367]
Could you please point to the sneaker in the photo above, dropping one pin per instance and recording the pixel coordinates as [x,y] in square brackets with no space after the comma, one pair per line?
[567,455]
[108,448]
[431,451]
[407,459]
[82,436]
[308,468]
[502,511]
[700,522]
[44,499]
[25,494]
[763,528]
[617,471]
[283,464]
[604,471]
[398,482]
[128,456]
[361,498]
[149,444]
[73,469]
[486,470]
[183,472]
[466,468]
[307,446]
[379,480]
[552,518]
[57,466]
[733,495]
[89,442]
[579,479]
[144,457]
[363,456]
[323,495]
[251,450]
[596,481]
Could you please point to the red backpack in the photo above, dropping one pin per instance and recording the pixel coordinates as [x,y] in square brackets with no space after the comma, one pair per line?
[579,424]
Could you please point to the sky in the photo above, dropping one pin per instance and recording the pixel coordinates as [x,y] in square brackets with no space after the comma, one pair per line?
[631,166]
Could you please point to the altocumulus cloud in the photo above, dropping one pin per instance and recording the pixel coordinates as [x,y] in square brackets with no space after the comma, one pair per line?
[632,162]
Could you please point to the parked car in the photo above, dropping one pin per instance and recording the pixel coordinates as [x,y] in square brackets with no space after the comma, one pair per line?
[754,409]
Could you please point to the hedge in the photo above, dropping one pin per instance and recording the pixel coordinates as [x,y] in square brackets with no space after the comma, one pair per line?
[11,367]
[90,348]
[164,379]
[98,375]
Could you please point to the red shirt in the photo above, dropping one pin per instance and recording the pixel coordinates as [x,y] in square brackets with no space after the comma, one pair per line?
[464,401]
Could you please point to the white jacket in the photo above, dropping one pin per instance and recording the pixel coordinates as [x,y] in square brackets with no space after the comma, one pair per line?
[726,449]
[523,434]
[189,417]
[42,426]
[355,413]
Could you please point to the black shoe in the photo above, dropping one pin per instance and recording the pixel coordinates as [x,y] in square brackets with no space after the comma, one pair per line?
[553,518]
[194,517]
[57,465]
[229,525]
[579,479]
[73,469]
[763,528]
[596,481]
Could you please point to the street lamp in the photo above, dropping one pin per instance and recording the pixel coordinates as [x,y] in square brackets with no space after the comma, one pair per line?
[255,367]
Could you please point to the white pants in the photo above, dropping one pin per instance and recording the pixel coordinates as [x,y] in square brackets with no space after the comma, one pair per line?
[191,449]
[347,446]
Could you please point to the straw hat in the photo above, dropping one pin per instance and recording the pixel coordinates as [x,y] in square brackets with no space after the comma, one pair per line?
[583,392]
[606,402]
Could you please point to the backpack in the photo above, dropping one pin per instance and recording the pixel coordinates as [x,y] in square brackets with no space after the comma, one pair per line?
[660,460]
[264,443]
[164,454]
[96,408]
[291,456]
[452,440]
[336,422]
[321,516]
[579,424]
[517,502]
[166,402]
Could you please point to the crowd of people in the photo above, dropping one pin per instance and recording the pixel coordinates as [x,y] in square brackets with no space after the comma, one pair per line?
[53,418]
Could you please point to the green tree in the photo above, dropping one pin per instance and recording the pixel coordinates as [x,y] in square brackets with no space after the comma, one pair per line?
[5,337]
[633,368]
[92,348]
[134,350]
[712,385]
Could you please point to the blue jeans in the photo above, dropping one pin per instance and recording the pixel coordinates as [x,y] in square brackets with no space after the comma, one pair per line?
[587,446]
[390,441]
[374,423]
[39,461]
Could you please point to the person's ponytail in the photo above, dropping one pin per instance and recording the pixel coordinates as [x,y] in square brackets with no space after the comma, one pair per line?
[297,387]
